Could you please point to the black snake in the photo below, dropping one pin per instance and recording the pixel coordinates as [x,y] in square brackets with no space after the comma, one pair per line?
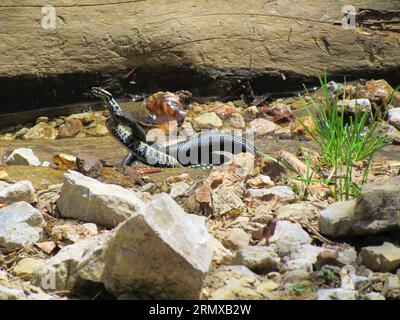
[199,150]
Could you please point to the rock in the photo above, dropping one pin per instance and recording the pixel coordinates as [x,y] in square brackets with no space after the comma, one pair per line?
[384,258]
[161,251]
[283,192]
[300,211]
[250,113]
[21,132]
[351,106]
[308,252]
[87,199]
[259,259]
[224,111]
[337,294]
[186,129]
[236,121]
[289,232]
[20,191]
[89,165]
[374,296]
[85,118]
[221,254]
[280,112]
[377,208]
[339,257]
[391,287]
[26,267]
[70,128]
[267,286]
[394,117]
[392,133]
[42,119]
[46,246]
[208,120]
[337,219]
[20,224]
[260,181]
[383,91]
[41,131]
[72,265]
[22,157]
[11,294]
[3,175]
[232,282]
[298,270]
[226,201]
[67,230]
[41,296]
[236,239]
[98,130]
[64,161]
[262,127]
[235,291]
[179,189]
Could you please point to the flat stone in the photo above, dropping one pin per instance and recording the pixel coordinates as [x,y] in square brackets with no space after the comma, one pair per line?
[20,224]
[374,296]
[208,120]
[179,189]
[22,157]
[20,191]
[162,252]
[283,192]
[384,258]
[298,270]
[260,259]
[26,267]
[300,211]
[337,294]
[262,127]
[236,239]
[87,199]
[289,232]
[227,201]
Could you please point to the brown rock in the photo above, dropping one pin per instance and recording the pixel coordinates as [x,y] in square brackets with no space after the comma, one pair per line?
[70,129]
[89,165]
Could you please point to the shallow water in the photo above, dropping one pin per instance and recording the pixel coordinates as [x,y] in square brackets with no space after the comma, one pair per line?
[108,149]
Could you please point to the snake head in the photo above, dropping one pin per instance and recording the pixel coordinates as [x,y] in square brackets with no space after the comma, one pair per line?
[102,94]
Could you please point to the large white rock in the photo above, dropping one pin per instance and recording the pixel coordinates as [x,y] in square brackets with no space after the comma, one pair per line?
[72,265]
[162,252]
[23,157]
[87,199]
[20,191]
[20,224]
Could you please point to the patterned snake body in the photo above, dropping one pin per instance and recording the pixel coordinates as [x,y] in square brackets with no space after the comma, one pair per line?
[202,149]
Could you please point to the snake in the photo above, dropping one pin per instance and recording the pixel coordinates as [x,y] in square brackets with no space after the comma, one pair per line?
[202,149]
